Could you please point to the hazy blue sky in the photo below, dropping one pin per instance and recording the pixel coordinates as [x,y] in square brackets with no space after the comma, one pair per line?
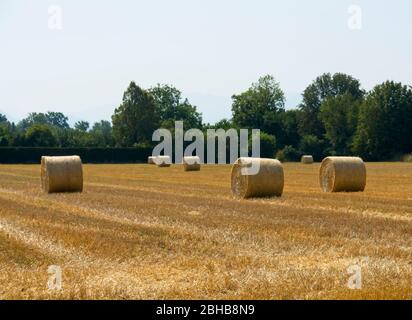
[208,49]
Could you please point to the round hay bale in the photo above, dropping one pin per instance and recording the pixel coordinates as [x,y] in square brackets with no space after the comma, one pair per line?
[163,161]
[342,174]
[62,174]
[191,163]
[151,160]
[268,181]
[307,159]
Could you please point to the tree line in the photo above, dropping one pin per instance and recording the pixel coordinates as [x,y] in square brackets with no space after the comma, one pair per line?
[336,117]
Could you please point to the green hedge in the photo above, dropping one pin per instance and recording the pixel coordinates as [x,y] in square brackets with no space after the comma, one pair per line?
[11,155]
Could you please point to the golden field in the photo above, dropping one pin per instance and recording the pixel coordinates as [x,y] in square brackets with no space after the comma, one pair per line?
[142,232]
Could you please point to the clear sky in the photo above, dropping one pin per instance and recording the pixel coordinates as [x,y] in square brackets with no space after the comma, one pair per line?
[208,49]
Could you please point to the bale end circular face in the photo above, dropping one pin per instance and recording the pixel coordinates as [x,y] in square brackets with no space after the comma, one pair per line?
[327,176]
[239,181]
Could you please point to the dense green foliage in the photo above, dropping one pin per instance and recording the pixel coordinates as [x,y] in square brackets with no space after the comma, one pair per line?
[260,106]
[267,145]
[323,88]
[172,107]
[136,118]
[385,122]
[336,117]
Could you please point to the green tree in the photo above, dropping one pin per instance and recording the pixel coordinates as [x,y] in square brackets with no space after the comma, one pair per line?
[323,87]
[224,124]
[52,119]
[10,136]
[259,107]
[267,145]
[312,145]
[135,120]
[18,138]
[339,115]
[3,118]
[172,107]
[32,119]
[167,98]
[40,135]
[4,131]
[82,126]
[77,138]
[6,135]
[57,120]
[384,130]
[289,133]
[102,134]
[288,153]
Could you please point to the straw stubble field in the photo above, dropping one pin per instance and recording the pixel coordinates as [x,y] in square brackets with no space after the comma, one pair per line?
[142,232]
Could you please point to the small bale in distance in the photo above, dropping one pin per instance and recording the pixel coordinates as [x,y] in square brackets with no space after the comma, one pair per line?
[151,160]
[267,182]
[342,174]
[191,163]
[307,159]
[163,161]
[62,174]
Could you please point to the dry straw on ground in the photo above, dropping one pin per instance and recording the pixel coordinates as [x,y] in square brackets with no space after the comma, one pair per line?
[62,174]
[140,234]
[163,161]
[191,163]
[151,160]
[339,174]
[307,159]
[269,180]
